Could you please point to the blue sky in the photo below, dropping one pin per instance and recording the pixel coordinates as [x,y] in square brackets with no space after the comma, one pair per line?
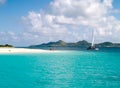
[12,10]
[27,22]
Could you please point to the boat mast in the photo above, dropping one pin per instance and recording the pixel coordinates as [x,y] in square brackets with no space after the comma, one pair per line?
[92,38]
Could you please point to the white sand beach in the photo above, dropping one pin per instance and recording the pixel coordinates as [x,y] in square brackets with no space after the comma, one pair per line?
[23,50]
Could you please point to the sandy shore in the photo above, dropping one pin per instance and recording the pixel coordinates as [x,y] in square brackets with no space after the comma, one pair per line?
[23,50]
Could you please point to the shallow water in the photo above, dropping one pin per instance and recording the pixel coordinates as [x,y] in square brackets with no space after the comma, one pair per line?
[65,69]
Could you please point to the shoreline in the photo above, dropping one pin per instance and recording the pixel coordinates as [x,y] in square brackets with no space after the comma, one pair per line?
[7,50]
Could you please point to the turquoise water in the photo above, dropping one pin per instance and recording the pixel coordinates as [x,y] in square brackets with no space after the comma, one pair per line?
[65,69]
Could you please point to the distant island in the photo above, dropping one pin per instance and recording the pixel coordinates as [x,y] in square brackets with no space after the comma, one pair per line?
[82,43]
[6,45]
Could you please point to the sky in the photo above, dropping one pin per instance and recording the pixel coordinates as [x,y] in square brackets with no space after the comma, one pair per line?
[31,22]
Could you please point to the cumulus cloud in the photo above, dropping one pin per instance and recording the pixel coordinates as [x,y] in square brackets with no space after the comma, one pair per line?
[73,20]
[2,1]
[5,39]
[84,8]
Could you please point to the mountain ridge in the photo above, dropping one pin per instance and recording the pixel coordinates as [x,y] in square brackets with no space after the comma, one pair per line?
[82,43]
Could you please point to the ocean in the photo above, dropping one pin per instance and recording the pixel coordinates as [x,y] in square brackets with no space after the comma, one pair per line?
[65,69]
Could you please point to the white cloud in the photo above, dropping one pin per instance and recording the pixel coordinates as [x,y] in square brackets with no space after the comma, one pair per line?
[69,20]
[4,39]
[2,1]
[73,20]
[84,8]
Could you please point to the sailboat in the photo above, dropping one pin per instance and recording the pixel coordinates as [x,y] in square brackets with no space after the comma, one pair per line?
[92,46]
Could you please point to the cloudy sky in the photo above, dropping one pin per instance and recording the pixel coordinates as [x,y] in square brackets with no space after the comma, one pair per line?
[28,22]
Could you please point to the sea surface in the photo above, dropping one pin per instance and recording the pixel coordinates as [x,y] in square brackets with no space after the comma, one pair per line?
[64,69]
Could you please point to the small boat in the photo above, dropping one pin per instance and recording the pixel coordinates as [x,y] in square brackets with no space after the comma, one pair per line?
[92,46]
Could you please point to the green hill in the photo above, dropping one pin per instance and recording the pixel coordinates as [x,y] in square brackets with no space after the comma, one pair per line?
[6,45]
[82,43]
